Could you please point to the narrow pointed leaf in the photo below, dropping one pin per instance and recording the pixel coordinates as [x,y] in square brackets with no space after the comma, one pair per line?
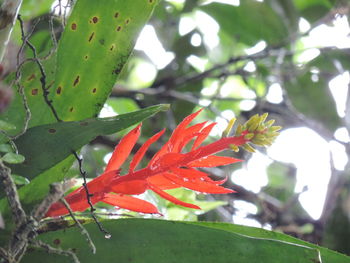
[64,137]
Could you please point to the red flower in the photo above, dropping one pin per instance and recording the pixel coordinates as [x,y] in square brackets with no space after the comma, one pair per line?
[168,169]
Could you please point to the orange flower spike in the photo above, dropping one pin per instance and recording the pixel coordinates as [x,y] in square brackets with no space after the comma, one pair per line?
[169,169]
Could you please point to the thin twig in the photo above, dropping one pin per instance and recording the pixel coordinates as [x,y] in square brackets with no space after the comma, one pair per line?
[56,192]
[53,37]
[82,229]
[43,75]
[52,250]
[88,195]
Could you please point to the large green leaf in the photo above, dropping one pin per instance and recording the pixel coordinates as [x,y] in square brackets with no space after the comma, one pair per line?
[249,22]
[143,241]
[98,40]
[328,256]
[82,73]
[46,145]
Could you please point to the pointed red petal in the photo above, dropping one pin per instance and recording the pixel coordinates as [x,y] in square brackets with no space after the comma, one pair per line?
[161,182]
[189,173]
[193,174]
[203,135]
[213,161]
[130,203]
[198,185]
[168,160]
[123,149]
[171,198]
[186,136]
[99,183]
[141,152]
[168,147]
[127,186]
[77,202]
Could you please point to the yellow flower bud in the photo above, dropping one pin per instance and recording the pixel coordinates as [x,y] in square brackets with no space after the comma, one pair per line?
[229,127]
[249,136]
[248,148]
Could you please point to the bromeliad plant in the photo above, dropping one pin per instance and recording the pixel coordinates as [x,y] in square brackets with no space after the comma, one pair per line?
[169,168]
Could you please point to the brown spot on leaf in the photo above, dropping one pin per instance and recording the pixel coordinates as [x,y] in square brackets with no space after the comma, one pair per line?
[91,36]
[71,109]
[150,1]
[95,19]
[86,57]
[34,92]
[119,28]
[52,130]
[76,81]
[31,77]
[59,90]
[57,242]
[127,21]
[116,14]
[112,47]
[73,26]
[84,123]
[116,71]
[102,41]
[94,90]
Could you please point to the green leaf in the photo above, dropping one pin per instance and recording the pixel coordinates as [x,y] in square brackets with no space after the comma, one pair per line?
[122,105]
[94,47]
[328,256]
[19,180]
[5,126]
[238,21]
[5,148]
[34,8]
[149,241]
[313,10]
[61,138]
[13,158]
